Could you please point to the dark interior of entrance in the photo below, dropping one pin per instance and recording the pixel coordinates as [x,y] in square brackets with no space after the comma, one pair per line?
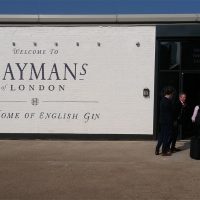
[179,67]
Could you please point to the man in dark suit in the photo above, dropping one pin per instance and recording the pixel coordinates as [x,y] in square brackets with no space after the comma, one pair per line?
[166,122]
[180,114]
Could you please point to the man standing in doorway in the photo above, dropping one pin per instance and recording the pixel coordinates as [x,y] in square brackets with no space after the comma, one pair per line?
[179,119]
[166,122]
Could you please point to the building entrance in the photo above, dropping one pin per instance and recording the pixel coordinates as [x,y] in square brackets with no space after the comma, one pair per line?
[179,67]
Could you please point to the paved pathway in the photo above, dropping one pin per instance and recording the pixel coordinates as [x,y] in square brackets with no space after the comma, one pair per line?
[95,170]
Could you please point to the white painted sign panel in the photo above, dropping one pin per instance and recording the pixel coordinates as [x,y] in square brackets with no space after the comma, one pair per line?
[76,79]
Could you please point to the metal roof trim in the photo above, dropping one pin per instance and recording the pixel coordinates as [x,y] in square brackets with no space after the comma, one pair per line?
[158,18]
[18,18]
[121,18]
[77,18]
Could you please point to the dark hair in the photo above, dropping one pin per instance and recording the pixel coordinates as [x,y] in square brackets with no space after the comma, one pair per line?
[168,90]
[182,93]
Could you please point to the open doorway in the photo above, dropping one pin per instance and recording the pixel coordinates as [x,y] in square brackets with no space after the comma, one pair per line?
[188,83]
[178,66]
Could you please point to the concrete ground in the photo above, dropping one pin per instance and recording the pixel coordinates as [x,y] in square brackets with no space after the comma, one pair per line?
[95,170]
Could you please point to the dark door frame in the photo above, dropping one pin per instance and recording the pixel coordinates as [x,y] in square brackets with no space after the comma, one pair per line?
[156,77]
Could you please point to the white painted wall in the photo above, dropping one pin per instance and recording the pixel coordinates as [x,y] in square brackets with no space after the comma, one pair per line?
[117,71]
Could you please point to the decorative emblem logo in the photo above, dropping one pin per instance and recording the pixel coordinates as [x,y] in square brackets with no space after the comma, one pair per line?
[35,101]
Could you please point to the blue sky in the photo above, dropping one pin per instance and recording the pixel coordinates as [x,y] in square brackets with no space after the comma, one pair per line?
[99,6]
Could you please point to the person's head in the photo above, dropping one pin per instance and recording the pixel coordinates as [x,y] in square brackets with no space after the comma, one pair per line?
[182,97]
[169,92]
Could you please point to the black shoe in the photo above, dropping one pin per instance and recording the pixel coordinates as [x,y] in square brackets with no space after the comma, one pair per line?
[166,154]
[157,153]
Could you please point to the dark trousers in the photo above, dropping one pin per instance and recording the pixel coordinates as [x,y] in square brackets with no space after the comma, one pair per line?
[175,133]
[164,137]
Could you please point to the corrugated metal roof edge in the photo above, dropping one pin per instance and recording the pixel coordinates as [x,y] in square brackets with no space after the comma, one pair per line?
[121,18]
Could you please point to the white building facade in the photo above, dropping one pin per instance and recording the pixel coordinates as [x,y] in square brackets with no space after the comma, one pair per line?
[88,75]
